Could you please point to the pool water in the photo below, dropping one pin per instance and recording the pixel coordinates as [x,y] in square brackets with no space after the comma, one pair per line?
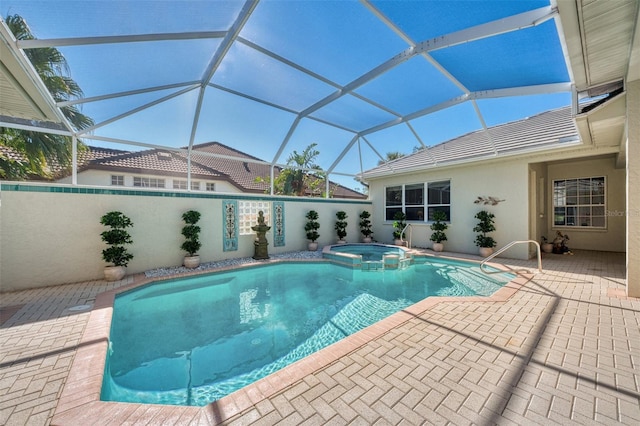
[191,341]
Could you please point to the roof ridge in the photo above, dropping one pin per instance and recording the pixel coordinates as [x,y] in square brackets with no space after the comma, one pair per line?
[243,154]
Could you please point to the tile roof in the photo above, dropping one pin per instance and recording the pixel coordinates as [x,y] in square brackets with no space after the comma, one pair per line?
[209,161]
[545,130]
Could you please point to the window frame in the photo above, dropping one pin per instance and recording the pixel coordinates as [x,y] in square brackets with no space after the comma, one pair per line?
[119,179]
[407,202]
[159,183]
[564,199]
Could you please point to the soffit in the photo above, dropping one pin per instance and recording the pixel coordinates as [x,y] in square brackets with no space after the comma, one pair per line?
[20,95]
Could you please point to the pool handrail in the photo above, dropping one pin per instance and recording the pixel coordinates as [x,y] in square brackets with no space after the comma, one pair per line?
[408,225]
[505,248]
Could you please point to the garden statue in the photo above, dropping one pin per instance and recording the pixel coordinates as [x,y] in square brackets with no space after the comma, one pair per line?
[261,242]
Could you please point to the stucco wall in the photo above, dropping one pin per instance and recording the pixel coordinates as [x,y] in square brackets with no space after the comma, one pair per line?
[612,238]
[506,180]
[632,216]
[50,238]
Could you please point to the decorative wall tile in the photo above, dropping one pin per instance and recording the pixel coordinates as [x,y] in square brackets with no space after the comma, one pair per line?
[278,224]
[230,227]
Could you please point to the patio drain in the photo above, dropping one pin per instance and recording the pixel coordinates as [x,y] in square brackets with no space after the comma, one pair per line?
[79,308]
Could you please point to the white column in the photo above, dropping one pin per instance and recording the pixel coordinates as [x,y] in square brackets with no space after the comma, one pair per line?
[633,184]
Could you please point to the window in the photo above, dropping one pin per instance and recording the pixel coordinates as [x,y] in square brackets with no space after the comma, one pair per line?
[211,186]
[146,182]
[414,201]
[410,199]
[579,202]
[248,215]
[393,201]
[117,180]
[182,184]
[439,198]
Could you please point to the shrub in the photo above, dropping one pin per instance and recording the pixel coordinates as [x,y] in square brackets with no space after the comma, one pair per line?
[191,232]
[484,226]
[312,226]
[439,226]
[116,238]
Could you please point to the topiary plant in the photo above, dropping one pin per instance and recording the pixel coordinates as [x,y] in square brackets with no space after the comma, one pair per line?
[398,225]
[341,225]
[116,238]
[312,226]
[365,224]
[484,226]
[191,232]
[439,226]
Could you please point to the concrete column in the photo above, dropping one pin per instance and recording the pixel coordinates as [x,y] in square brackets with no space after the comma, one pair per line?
[633,188]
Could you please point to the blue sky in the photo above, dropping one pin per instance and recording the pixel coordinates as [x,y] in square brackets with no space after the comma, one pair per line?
[337,40]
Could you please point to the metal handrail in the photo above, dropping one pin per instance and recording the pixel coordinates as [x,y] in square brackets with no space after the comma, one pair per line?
[505,248]
[408,225]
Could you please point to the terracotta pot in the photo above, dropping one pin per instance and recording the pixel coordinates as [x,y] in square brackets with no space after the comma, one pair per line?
[313,246]
[438,246]
[485,251]
[114,273]
[191,261]
[547,247]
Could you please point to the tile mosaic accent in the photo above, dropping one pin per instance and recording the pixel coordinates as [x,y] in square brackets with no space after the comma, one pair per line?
[230,232]
[278,224]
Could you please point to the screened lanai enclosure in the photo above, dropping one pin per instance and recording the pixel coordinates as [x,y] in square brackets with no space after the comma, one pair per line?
[359,78]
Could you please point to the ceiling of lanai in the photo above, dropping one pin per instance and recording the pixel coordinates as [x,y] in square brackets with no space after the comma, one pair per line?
[359,78]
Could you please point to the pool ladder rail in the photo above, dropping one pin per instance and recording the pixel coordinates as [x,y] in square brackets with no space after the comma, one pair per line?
[505,248]
[407,226]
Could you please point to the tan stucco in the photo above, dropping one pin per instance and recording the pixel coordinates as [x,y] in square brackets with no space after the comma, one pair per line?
[51,238]
[612,238]
[527,212]
[505,180]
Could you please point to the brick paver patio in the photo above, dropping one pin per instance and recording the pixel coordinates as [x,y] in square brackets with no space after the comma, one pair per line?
[563,349]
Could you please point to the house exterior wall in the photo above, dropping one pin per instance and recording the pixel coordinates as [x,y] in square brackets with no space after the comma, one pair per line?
[632,216]
[612,238]
[51,233]
[103,178]
[505,180]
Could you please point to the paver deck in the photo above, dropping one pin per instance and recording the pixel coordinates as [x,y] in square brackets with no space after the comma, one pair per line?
[562,349]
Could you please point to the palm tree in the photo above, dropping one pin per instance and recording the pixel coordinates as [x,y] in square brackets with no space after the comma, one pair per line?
[37,150]
[302,176]
[390,156]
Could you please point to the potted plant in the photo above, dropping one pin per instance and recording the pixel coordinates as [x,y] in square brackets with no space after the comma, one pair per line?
[191,233]
[438,227]
[545,245]
[116,238]
[484,226]
[341,226]
[398,226]
[365,226]
[311,228]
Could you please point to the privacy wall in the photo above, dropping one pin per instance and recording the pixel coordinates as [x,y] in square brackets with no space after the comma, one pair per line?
[50,234]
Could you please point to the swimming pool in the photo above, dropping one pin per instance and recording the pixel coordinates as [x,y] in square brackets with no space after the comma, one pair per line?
[191,341]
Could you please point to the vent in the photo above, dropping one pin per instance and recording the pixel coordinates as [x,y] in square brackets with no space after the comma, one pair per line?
[164,156]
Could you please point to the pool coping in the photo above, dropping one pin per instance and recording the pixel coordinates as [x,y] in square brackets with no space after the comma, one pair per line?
[80,402]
